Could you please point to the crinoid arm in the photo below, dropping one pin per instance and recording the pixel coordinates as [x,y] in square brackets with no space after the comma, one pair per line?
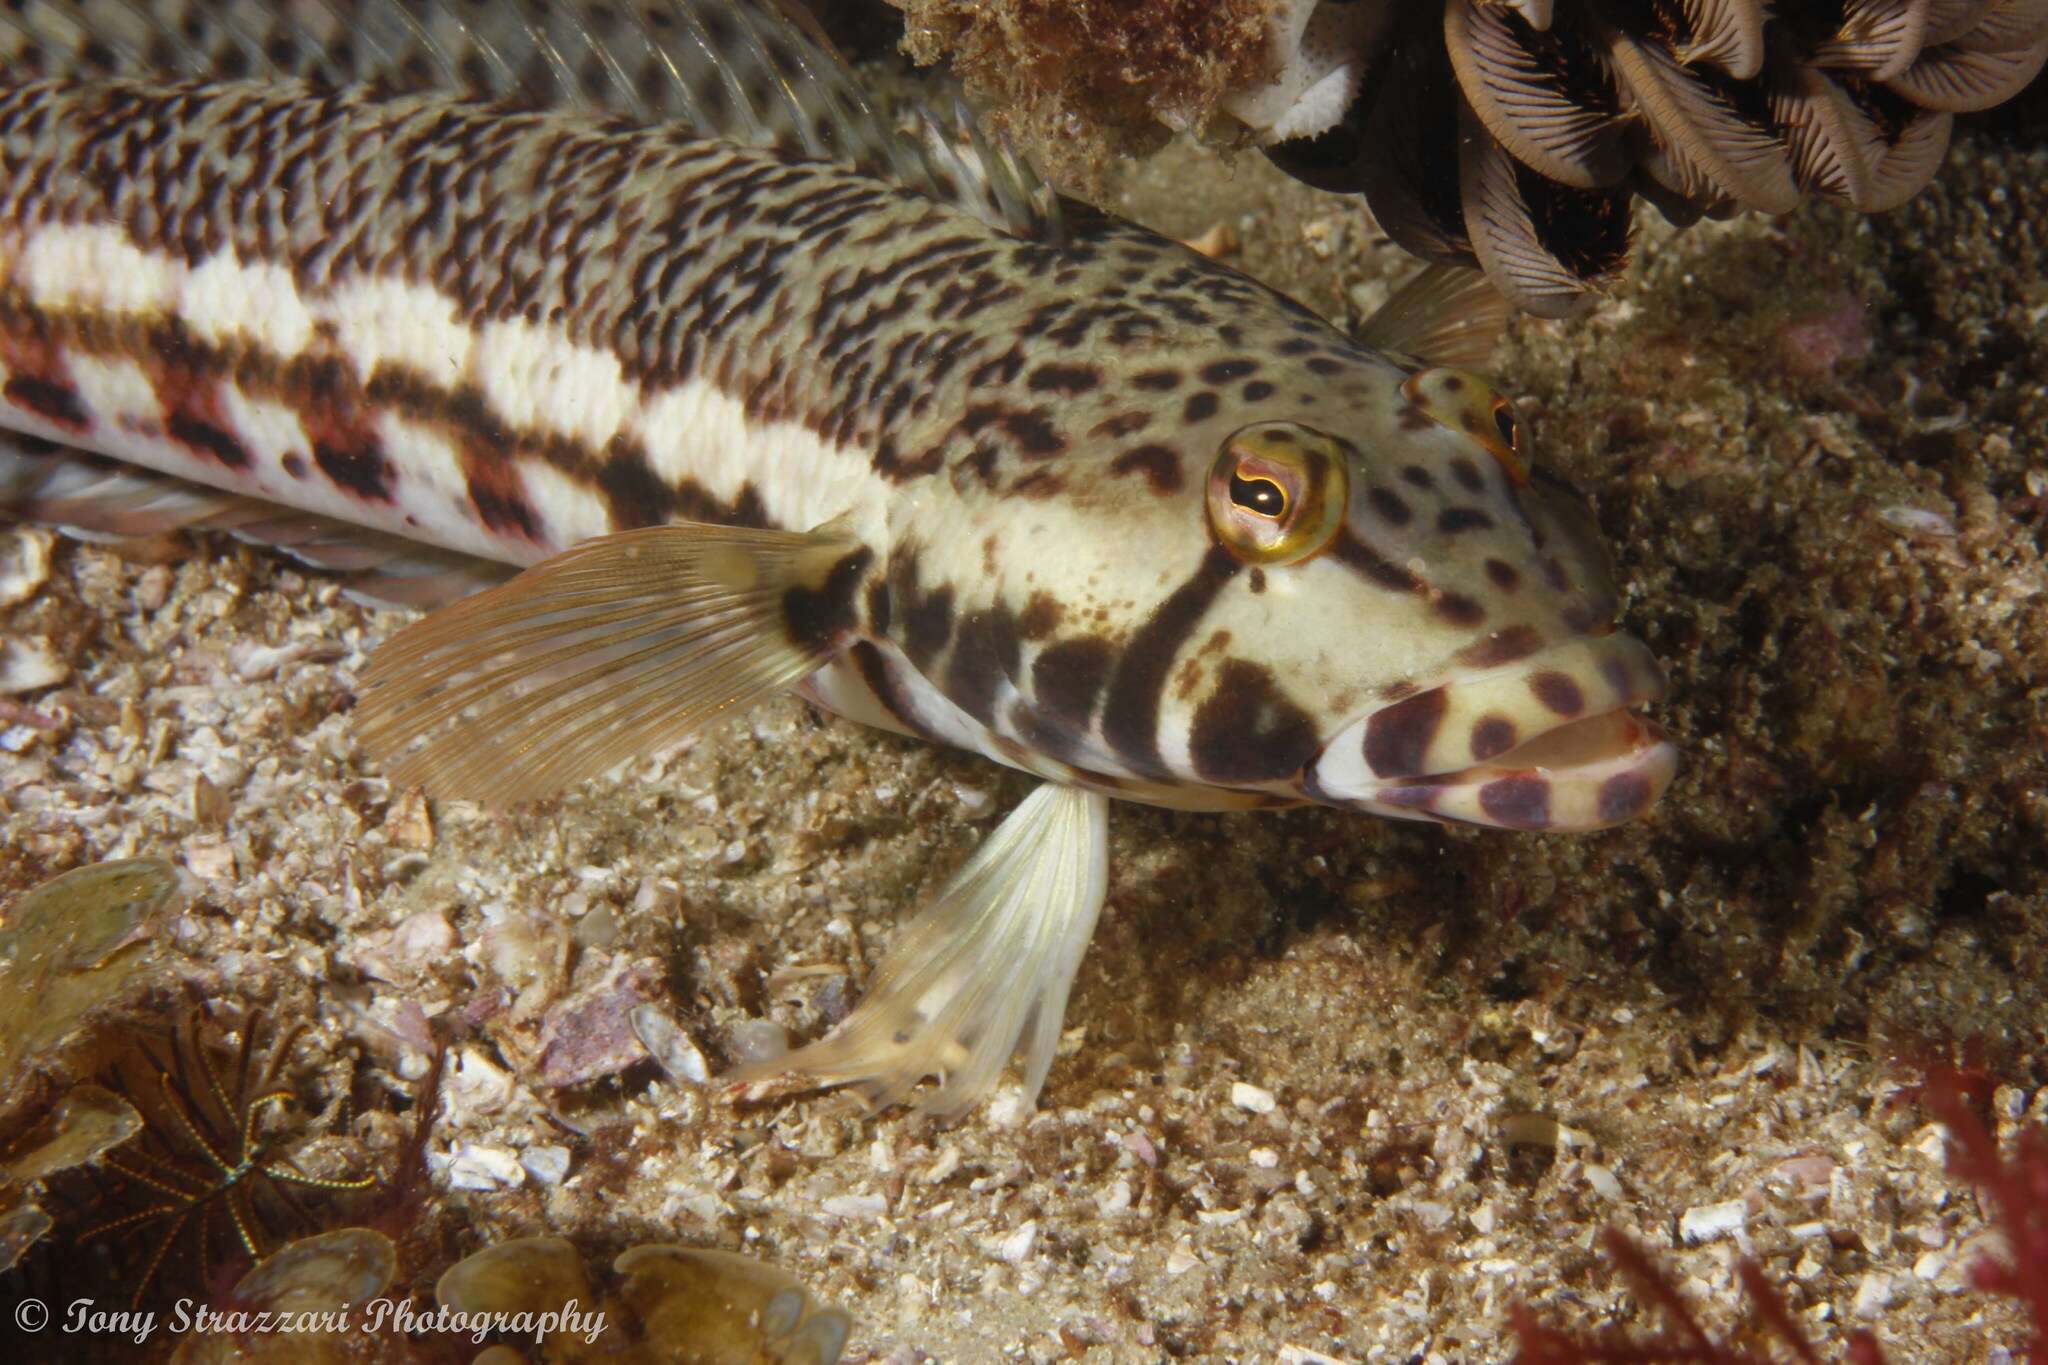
[983,971]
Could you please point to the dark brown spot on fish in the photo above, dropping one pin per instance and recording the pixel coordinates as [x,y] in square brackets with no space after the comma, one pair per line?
[1039,485]
[206,439]
[1398,737]
[1418,476]
[1581,619]
[1452,383]
[1159,464]
[820,618]
[1521,801]
[1504,575]
[1350,550]
[1397,691]
[1453,520]
[1256,580]
[878,607]
[53,402]
[1409,798]
[1121,425]
[1258,391]
[1554,573]
[1069,380]
[1247,730]
[1622,797]
[1468,475]
[295,465]
[358,467]
[1224,371]
[1388,504]
[1035,434]
[928,625]
[1200,407]
[1492,737]
[1415,419]
[1156,381]
[1040,617]
[1459,609]
[1614,672]
[1068,676]
[988,652]
[1558,692]
[1502,647]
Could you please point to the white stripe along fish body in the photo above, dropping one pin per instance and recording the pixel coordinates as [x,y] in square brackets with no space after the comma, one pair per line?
[769,407]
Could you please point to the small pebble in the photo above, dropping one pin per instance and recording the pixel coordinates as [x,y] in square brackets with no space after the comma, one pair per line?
[547,1165]
[1705,1222]
[672,1049]
[1250,1098]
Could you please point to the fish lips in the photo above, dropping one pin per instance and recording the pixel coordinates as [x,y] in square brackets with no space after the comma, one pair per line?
[1553,742]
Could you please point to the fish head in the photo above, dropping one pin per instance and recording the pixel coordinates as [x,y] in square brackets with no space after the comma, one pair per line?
[1378,601]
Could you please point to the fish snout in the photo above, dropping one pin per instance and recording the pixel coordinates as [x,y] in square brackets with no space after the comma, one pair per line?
[1554,742]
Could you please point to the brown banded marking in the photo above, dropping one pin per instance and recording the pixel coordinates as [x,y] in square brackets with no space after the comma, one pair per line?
[1130,718]
[1248,730]
[822,615]
[1398,738]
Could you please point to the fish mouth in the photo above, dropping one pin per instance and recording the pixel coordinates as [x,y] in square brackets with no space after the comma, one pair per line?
[1554,742]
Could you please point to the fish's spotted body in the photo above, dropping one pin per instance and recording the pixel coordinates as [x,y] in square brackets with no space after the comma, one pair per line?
[878,422]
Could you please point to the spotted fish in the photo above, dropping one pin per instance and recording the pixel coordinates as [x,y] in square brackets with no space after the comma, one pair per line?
[683,377]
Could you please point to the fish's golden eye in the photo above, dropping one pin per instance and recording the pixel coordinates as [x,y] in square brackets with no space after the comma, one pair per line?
[1260,496]
[1467,404]
[1277,493]
[1510,429]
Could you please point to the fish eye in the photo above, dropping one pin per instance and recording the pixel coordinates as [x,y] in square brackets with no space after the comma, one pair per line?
[1261,497]
[1469,405]
[1277,493]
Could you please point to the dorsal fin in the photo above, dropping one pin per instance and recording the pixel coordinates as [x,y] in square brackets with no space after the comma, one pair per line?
[758,72]
[1444,315]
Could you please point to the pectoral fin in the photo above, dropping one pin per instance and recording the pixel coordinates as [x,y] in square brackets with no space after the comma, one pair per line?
[983,972]
[614,648]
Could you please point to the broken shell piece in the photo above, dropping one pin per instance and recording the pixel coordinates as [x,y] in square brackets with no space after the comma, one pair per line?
[21,1227]
[322,1277]
[24,563]
[88,1121]
[29,666]
[672,1049]
[590,1035]
[70,947]
[526,1275]
[719,1308]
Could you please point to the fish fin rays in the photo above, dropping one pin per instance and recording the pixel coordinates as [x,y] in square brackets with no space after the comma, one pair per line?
[983,971]
[759,72]
[612,649]
[1445,315]
[100,499]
